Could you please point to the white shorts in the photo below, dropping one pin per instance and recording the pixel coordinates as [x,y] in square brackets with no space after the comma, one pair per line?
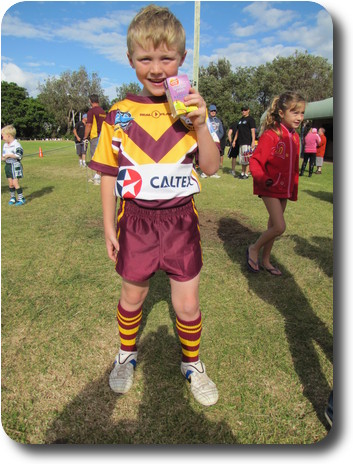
[244,154]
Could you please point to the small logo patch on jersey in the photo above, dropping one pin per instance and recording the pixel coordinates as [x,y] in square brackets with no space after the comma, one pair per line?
[128,183]
[123,120]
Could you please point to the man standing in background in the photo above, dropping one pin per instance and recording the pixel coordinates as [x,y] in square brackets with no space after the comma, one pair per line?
[245,136]
[95,117]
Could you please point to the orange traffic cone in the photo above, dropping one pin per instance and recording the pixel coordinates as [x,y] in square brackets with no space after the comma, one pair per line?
[40,153]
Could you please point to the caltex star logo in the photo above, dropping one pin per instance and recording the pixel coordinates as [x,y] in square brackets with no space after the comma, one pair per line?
[128,183]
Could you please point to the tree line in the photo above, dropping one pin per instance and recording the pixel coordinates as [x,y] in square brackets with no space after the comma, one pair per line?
[62,100]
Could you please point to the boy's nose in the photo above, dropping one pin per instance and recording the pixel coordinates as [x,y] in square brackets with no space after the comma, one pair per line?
[155,68]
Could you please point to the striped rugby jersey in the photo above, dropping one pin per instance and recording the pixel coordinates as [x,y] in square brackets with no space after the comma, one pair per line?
[149,152]
[13,148]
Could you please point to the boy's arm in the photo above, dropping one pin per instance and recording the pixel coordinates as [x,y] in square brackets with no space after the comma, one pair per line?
[208,150]
[11,155]
[109,215]
[76,134]
[88,128]
[235,138]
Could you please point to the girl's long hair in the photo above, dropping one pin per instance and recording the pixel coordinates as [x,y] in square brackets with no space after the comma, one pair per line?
[283,102]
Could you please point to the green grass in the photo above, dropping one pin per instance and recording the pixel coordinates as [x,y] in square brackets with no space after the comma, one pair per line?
[267,342]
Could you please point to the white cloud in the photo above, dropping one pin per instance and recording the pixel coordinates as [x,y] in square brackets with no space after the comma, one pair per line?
[10,72]
[262,18]
[13,26]
[318,35]
[248,54]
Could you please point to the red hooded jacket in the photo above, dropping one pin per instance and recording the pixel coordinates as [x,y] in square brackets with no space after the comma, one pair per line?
[276,159]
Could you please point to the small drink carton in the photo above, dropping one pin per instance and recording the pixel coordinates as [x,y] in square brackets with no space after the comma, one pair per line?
[177,88]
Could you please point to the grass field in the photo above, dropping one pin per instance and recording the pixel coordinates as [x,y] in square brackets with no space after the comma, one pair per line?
[267,341]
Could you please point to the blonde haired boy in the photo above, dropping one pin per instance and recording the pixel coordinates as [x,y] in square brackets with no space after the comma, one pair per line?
[12,153]
[146,158]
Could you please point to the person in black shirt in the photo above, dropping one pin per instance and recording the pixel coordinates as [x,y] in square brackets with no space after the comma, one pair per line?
[245,137]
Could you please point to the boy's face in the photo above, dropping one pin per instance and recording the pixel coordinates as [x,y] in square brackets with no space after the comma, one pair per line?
[7,138]
[154,65]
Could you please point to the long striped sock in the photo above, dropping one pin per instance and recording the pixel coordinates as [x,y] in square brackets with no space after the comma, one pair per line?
[189,335]
[12,192]
[129,323]
[19,194]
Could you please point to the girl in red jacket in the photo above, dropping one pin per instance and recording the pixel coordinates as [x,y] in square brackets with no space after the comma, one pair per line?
[275,170]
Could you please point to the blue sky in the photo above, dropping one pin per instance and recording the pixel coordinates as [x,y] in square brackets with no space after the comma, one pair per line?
[42,39]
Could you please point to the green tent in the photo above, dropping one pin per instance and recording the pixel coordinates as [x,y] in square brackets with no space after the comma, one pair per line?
[322,109]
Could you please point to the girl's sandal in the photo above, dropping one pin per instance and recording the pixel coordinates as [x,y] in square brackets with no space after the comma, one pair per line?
[273,271]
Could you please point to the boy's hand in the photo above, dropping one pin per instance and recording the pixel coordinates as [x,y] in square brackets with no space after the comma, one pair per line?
[112,245]
[198,117]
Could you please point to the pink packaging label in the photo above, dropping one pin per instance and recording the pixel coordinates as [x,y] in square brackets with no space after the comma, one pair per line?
[177,88]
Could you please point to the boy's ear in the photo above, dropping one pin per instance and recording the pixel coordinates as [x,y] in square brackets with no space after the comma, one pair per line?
[130,60]
[183,58]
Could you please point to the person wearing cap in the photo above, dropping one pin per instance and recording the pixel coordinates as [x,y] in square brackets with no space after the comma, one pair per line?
[245,136]
[81,146]
[217,127]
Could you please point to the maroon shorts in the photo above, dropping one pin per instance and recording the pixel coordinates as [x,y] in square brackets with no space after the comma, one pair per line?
[152,240]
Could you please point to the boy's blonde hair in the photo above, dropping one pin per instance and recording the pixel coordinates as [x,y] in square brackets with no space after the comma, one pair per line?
[285,101]
[156,25]
[9,130]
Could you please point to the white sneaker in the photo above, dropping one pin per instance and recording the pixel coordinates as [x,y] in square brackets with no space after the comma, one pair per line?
[216,176]
[202,387]
[203,175]
[122,375]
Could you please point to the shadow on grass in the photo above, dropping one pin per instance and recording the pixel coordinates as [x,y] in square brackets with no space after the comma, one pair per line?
[33,195]
[324,196]
[164,415]
[39,193]
[303,328]
[321,252]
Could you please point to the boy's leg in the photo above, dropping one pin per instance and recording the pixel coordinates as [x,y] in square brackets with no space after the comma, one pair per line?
[185,299]
[20,198]
[12,192]
[129,317]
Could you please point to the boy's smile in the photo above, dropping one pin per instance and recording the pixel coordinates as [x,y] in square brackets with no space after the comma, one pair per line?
[154,65]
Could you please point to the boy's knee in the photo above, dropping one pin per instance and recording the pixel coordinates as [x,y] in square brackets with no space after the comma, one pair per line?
[132,298]
[188,309]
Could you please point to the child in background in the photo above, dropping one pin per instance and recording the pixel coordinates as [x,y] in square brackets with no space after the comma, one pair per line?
[12,153]
[146,156]
[275,170]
